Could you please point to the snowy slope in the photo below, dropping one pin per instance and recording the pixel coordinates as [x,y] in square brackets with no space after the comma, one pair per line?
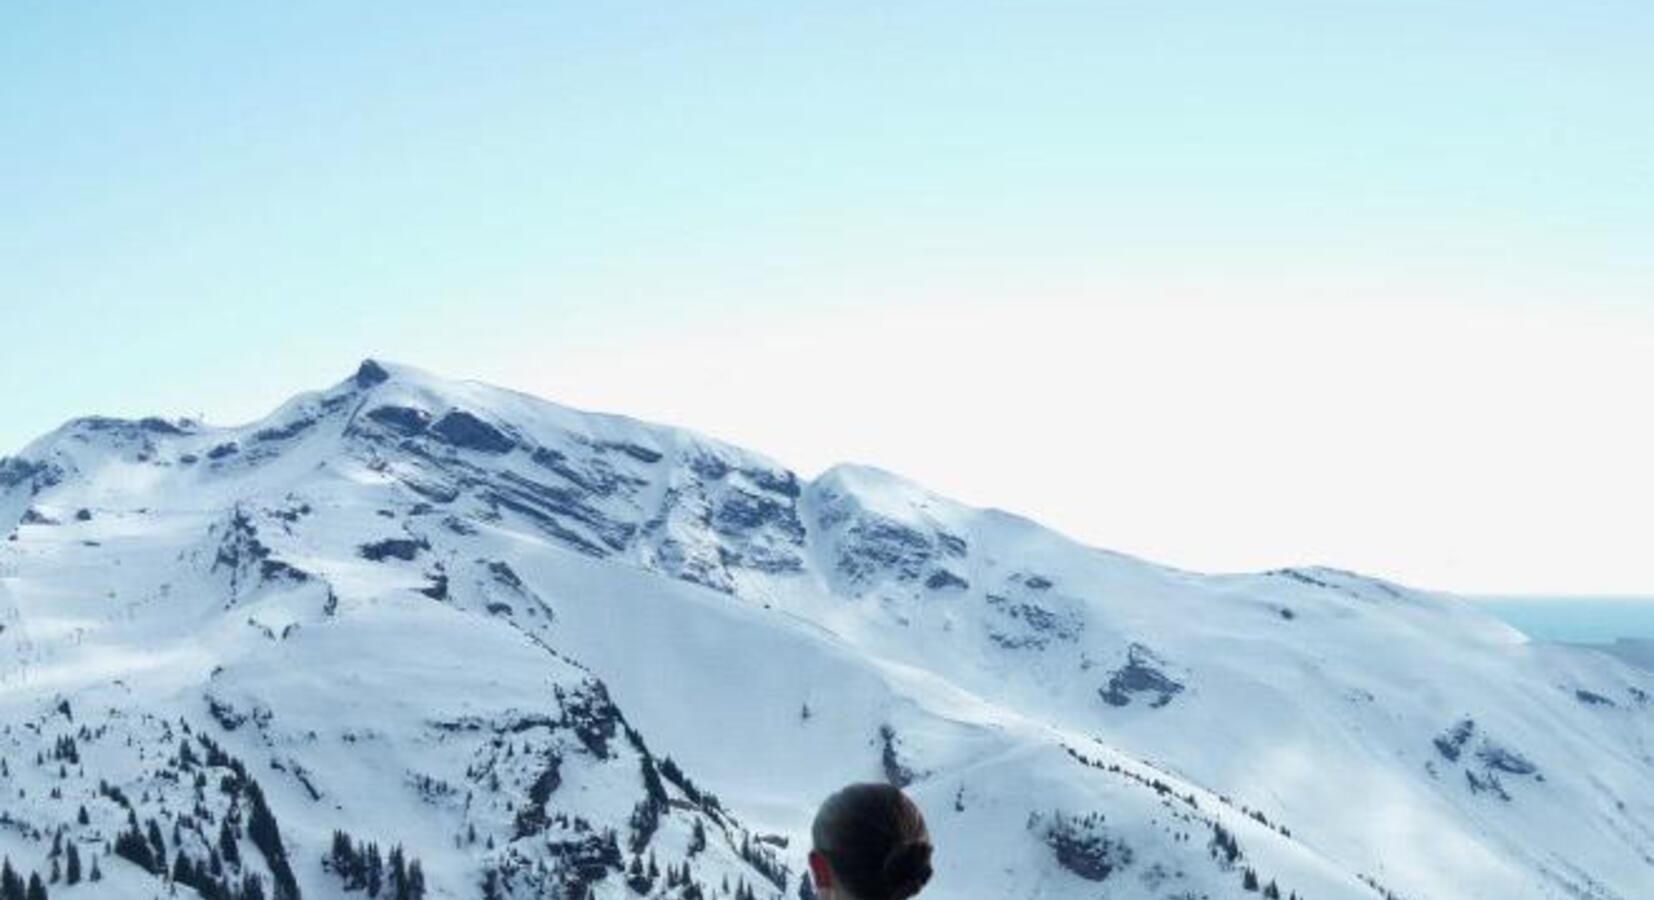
[1638,652]
[553,653]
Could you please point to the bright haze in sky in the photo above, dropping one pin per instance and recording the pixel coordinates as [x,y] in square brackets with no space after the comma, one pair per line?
[1226,286]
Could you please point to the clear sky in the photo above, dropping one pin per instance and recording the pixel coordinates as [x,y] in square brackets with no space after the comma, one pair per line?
[1226,285]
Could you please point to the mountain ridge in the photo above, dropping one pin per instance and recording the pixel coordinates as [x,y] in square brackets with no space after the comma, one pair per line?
[1069,716]
[373,371]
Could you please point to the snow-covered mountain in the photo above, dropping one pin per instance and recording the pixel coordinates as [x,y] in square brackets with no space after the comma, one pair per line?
[548,653]
[1636,651]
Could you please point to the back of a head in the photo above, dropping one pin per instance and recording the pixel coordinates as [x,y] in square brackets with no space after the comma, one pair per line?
[875,840]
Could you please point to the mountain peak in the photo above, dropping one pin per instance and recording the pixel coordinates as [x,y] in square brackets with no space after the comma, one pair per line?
[370,373]
[375,371]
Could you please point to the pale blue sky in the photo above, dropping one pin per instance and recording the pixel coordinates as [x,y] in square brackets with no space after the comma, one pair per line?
[207,207]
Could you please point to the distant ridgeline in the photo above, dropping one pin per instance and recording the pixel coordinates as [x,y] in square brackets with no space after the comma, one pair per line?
[1622,625]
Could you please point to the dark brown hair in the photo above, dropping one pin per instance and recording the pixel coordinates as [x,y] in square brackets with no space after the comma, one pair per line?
[875,840]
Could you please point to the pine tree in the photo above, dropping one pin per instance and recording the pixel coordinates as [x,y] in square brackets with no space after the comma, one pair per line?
[398,874]
[1224,847]
[416,881]
[97,873]
[338,858]
[37,891]
[157,844]
[226,843]
[375,870]
[1249,880]
[265,834]
[131,846]
[11,884]
[72,864]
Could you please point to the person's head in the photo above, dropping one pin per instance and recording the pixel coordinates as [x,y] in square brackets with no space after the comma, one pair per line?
[870,844]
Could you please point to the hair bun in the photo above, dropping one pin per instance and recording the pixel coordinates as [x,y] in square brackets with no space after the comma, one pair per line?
[906,869]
